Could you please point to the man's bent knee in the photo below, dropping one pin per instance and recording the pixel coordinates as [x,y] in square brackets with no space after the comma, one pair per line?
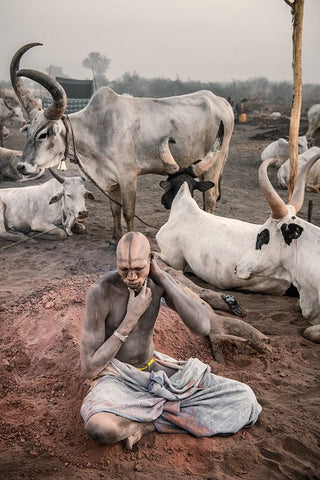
[102,431]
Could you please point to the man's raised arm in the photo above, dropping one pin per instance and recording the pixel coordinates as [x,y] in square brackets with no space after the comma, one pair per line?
[193,313]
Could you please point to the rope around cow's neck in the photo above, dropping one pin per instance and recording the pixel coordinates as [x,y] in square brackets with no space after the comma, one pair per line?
[76,159]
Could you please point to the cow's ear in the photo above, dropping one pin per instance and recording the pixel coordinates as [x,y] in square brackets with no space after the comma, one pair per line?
[89,195]
[203,186]
[291,232]
[165,185]
[56,198]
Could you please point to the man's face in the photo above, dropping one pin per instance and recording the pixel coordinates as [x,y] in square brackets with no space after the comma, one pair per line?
[133,260]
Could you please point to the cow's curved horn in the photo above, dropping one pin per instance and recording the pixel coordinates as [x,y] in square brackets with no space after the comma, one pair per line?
[59,104]
[167,159]
[277,205]
[298,192]
[56,176]
[205,163]
[6,103]
[28,102]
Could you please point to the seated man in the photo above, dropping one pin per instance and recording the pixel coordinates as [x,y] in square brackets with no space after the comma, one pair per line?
[136,390]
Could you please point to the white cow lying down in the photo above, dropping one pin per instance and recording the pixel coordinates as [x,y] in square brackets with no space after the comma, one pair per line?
[280,150]
[290,242]
[313,177]
[41,208]
[211,245]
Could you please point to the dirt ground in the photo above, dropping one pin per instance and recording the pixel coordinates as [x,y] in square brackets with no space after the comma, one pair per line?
[42,295]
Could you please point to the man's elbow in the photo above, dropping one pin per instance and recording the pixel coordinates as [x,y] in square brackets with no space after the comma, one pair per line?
[87,371]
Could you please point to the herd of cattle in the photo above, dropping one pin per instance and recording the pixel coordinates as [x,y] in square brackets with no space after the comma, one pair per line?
[116,138]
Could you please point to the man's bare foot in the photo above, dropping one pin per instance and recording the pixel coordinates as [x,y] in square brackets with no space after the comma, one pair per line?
[135,437]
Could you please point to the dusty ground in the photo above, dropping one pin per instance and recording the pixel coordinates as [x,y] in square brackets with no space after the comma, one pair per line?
[43,288]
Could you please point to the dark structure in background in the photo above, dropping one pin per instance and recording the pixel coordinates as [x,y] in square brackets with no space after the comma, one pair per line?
[78,93]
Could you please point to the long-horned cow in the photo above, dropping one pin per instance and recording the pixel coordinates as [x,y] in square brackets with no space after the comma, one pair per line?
[288,242]
[116,138]
[208,244]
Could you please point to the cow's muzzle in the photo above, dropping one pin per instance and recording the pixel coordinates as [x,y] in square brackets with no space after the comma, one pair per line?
[21,168]
[82,215]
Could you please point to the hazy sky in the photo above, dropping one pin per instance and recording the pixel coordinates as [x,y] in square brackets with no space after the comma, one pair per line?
[208,40]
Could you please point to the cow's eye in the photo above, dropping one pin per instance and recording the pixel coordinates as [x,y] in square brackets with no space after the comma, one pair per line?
[42,136]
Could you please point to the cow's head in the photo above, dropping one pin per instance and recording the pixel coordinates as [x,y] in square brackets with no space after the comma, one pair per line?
[276,245]
[15,113]
[45,133]
[189,175]
[73,195]
[173,183]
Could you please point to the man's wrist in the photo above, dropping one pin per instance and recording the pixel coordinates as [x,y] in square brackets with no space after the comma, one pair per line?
[123,338]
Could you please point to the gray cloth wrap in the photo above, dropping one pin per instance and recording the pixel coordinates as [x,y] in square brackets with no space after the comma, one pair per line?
[192,400]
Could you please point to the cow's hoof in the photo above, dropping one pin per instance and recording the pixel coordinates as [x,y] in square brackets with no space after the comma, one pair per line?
[234,306]
[112,246]
[78,228]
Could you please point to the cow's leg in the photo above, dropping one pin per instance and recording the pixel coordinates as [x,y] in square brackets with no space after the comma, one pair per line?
[223,329]
[47,231]
[214,174]
[313,188]
[115,206]
[4,234]
[1,135]
[217,301]
[129,202]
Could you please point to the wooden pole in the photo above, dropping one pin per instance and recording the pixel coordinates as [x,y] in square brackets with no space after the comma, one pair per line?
[297,16]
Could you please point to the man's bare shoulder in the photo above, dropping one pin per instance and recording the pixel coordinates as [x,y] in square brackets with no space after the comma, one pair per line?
[110,282]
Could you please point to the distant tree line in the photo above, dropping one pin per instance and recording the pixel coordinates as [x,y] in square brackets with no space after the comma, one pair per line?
[260,89]
[256,91]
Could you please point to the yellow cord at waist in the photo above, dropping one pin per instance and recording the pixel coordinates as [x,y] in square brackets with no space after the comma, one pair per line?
[148,365]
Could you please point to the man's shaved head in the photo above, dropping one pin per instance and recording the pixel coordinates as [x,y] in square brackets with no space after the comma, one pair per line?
[133,246]
[133,259]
